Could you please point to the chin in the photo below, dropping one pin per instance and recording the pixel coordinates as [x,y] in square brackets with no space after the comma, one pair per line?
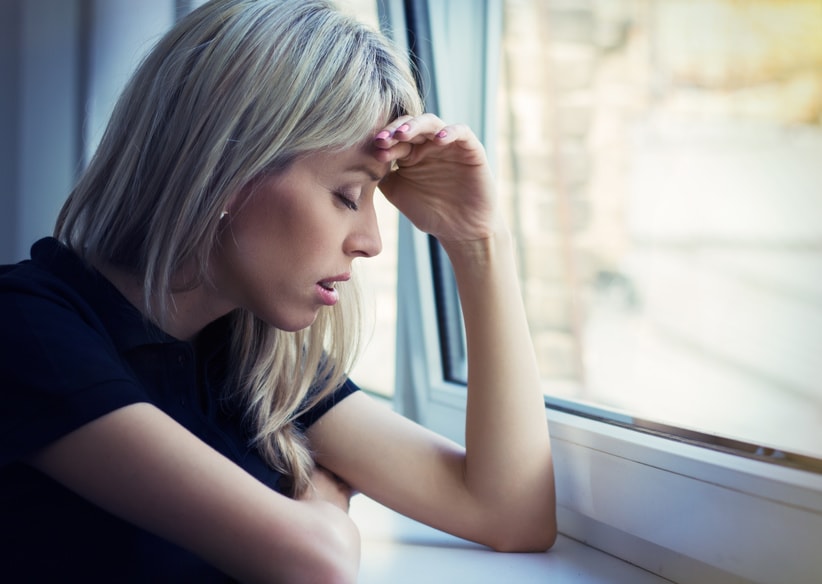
[291,324]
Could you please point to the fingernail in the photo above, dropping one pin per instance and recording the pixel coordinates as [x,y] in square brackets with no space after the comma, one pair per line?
[382,135]
[403,128]
[442,134]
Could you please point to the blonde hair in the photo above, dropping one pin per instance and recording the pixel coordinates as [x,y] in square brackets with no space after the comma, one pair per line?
[237,89]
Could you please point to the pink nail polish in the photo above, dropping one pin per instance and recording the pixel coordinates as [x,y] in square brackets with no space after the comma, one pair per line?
[442,134]
[403,128]
[382,135]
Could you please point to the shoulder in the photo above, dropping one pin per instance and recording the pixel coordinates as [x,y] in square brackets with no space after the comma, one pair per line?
[53,275]
[59,363]
[57,294]
[46,313]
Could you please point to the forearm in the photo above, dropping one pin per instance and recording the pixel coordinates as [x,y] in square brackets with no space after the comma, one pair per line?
[142,466]
[508,457]
[323,545]
[500,489]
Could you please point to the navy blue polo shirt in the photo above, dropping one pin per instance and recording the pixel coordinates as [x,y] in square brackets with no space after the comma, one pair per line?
[72,349]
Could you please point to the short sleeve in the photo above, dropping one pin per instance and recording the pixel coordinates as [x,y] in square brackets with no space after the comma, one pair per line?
[59,369]
[323,406]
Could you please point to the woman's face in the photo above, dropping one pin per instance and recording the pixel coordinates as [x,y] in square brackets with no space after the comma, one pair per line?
[289,238]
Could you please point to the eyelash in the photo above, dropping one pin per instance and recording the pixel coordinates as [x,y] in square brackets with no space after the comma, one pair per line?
[347,201]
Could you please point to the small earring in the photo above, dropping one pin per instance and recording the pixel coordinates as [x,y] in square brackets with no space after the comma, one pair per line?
[223,215]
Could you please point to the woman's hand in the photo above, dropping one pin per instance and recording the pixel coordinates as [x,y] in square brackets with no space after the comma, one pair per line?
[328,487]
[441,182]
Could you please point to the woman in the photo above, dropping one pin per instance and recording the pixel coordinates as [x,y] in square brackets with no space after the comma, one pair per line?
[176,404]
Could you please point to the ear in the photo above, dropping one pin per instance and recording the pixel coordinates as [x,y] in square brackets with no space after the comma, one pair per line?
[237,200]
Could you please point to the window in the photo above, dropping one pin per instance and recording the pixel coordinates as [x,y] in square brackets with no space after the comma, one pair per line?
[662,501]
[656,162]
[374,370]
[666,206]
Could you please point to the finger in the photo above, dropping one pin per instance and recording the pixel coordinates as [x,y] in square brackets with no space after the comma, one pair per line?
[457,139]
[393,153]
[447,134]
[419,129]
[410,129]
[384,138]
[416,141]
[344,492]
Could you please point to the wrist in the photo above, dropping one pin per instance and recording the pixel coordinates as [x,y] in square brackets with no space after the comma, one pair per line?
[479,252]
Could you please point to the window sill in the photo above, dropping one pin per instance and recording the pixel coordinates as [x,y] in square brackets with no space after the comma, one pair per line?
[684,512]
[399,550]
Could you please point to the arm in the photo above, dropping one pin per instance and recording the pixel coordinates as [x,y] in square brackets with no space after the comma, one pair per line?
[142,466]
[510,464]
[500,489]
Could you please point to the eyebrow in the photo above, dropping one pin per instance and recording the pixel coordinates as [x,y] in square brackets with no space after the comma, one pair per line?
[369,172]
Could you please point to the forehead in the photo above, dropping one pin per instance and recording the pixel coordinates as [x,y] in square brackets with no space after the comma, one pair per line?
[354,159]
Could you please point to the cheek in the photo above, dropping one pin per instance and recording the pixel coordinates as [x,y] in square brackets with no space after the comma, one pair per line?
[279,238]
[247,243]
[264,218]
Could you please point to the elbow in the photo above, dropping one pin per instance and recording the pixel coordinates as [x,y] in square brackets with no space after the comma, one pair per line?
[330,572]
[327,549]
[335,555]
[330,567]
[528,540]
[527,530]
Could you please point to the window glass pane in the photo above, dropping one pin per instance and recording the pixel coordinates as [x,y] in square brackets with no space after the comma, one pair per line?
[659,163]
[375,369]
[378,275]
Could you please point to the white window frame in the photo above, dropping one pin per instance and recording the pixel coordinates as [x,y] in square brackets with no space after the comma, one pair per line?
[686,512]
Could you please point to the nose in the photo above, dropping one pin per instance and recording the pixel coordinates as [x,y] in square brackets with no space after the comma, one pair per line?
[364,240]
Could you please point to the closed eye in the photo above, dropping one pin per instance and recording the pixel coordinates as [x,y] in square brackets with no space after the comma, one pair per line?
[347,201]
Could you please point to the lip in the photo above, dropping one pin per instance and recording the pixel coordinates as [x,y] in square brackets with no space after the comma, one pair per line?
[328,295]
[344,277]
